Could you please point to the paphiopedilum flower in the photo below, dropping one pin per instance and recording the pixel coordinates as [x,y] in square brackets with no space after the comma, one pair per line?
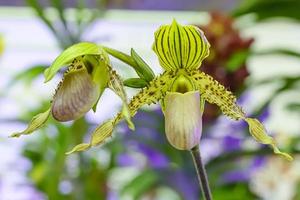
[182,90]
[88,74]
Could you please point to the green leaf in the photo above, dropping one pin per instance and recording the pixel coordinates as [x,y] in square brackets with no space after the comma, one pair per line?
[287,52]
[27,75]
[144,68]
[135,83]
[140,185]
[66,57]
[265,9]
[293,107]
[130,61]
[237,60]
[37,122]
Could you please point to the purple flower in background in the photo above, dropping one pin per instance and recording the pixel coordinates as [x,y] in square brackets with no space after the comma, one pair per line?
[231,143]
[243,175]
[186,186]
[236,176]
[155,158]
[125,160]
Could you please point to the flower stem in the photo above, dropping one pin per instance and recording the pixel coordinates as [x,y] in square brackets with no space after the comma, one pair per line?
[202,176]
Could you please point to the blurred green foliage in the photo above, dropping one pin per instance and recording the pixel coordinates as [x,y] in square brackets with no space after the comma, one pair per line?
[266,9]
[66,31]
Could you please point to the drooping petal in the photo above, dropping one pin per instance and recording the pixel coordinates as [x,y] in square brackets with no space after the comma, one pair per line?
[151,94]
[180,46]
[98,136]
[76,94]
[183,119]
[37,122]
[257,130]
[215,93]
[117,86]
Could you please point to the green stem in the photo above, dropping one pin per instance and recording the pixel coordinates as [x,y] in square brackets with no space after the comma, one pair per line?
[201,172]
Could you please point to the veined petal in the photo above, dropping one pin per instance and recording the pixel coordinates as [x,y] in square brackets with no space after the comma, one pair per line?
[257,130]
[75,96]
[215,93]
[37,122]
[183,119]
[151,94]
[180,46]
[98,136]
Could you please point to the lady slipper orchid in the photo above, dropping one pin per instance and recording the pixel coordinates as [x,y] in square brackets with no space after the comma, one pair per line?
[88,74]
[182,90]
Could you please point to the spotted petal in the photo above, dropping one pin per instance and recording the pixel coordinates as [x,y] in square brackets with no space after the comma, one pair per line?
[215,93]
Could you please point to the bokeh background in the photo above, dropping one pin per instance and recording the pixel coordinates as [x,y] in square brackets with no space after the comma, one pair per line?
[255,53]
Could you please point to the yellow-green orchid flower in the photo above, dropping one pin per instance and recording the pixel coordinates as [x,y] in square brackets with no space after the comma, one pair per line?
[181,90]
[88,74]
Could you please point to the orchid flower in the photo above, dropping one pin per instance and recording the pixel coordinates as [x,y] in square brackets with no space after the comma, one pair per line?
[181,91]
[88,74]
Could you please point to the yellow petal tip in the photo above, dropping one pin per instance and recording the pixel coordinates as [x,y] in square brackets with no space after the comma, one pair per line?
[131,125]
[78,148]
[284,155]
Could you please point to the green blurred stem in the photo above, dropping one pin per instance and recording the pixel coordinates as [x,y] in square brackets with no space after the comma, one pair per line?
[201,172]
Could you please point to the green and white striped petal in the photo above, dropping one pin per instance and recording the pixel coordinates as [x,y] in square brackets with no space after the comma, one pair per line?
[183,119]
[180,46]
[36,123]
